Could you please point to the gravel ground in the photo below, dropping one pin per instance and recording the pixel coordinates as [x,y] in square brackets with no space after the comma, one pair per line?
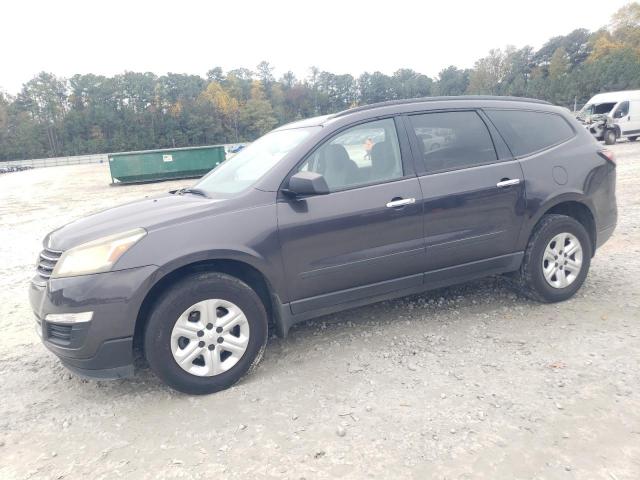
[459,383]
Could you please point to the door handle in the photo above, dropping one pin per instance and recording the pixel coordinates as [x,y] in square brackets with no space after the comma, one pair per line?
[507,183]
[401,202]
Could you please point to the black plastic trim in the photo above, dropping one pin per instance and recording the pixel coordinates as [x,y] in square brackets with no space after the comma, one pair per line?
[115,353]
[114,373]
[334,302]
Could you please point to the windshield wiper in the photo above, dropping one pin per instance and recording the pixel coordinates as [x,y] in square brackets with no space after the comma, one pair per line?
[195,191]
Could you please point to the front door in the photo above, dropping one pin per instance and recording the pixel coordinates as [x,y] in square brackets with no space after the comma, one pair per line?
[627,116]
[473,202]
[366,232]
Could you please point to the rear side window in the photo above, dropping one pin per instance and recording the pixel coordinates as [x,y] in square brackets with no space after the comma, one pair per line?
[452,140]
[527,132]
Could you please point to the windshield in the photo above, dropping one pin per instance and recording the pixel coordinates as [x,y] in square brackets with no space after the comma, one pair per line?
[598,108]
[251,163]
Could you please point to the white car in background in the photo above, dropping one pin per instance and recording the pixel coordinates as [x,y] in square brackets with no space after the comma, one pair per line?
[433,140]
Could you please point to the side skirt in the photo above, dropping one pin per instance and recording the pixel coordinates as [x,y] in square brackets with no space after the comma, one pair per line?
[320,305]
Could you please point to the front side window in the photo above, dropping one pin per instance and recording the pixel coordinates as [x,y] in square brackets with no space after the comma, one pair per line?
[252,162]
[528,132]
[366,153]
[622,110]
[452,140]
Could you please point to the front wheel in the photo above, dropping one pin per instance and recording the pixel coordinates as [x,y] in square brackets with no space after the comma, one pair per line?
[609,137]
[205,333]
[556,260]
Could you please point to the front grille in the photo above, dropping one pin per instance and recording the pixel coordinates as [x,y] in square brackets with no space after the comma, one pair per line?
[47,262]
[61,333]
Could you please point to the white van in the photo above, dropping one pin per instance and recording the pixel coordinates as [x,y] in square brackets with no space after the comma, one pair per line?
[610,116]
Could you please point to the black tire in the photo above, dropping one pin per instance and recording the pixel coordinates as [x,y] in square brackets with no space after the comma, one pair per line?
[609,137]
[176,300]
[632,139]
[530,278]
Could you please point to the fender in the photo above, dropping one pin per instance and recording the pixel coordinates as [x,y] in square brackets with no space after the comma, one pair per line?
[545,206]
[244,256]
[270,273]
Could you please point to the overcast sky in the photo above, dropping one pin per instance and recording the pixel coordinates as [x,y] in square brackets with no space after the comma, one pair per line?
[66,37]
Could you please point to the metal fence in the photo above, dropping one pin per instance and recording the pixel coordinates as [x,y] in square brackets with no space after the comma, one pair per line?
[75,160]
[56,161]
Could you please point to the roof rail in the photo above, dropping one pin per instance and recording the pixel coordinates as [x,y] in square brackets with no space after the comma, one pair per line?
[437,99]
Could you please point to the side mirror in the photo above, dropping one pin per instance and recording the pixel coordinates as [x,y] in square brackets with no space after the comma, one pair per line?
[307,183]
[618,114]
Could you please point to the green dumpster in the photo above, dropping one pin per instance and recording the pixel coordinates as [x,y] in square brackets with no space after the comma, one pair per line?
[164,164]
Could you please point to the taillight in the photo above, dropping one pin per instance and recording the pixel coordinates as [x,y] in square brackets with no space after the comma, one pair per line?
[607,155]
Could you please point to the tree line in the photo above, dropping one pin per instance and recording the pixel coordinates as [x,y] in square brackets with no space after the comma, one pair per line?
[53,116]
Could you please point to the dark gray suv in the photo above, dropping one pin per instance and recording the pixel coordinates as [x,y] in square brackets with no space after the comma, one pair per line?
[323,215]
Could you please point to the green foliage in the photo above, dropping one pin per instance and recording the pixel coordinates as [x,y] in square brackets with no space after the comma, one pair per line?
[257,117]
[489,73]
[89,113]
[452,81]
[559,64]
[625,25]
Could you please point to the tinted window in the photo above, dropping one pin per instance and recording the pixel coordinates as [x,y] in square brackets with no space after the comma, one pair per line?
[453,140]
[526,132]
[366,153]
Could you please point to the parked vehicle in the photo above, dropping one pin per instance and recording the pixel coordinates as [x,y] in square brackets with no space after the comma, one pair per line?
[236,148]
[433,141]
[292,228]
[610,116]
[14,168]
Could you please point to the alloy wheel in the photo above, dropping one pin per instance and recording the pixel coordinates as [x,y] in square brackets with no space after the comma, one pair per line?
[210,337]
[562,260]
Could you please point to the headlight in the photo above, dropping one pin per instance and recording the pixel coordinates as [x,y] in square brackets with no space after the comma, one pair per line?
[96,256]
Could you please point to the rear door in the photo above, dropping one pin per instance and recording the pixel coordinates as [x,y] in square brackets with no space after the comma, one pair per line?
[365,237]
[474,201]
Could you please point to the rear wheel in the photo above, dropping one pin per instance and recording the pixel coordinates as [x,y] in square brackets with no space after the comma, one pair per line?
[609,137]
[632,139]
[556,261]
[205,333]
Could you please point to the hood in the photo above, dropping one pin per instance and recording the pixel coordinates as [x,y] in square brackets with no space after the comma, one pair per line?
[150,213]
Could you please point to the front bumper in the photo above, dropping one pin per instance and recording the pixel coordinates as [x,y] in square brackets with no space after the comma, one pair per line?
[103,347]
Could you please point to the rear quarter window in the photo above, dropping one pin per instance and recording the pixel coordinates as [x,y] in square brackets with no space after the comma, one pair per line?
[527,132]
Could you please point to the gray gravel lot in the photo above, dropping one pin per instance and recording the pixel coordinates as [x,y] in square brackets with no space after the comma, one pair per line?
[459,383]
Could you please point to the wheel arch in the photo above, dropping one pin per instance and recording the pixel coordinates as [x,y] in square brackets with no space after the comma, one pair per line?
[571,205]
[616,128]
[241,269]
